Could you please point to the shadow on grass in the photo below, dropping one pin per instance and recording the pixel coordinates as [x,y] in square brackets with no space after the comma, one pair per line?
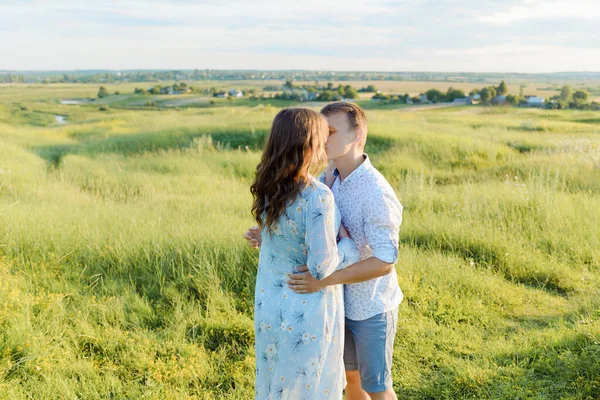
[137,144]
[486,255]
[567,368]
[527,147]
[588,120]
[164,105]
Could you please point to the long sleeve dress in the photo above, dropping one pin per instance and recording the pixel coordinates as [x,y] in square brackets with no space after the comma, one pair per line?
[300,337]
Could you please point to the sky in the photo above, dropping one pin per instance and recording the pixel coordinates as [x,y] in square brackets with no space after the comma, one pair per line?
[350,35]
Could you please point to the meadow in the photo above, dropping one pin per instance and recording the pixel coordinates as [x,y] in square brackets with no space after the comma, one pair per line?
[123,273]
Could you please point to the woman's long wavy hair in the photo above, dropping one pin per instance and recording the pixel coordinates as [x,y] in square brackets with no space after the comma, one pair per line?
[295,144]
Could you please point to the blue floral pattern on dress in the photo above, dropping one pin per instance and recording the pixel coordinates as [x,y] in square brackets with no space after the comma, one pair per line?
[300,337]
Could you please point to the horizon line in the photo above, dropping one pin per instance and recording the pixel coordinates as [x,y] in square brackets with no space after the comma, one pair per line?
[297,70]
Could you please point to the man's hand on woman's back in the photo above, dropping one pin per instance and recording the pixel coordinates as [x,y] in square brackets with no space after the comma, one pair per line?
[253,237]
[343,233]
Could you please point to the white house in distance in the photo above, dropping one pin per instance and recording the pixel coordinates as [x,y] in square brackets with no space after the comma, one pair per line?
[534,101]
[307,96]
[236,93]
[461,101]
[464,101]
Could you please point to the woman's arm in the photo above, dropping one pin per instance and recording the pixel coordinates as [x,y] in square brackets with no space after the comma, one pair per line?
[325,255]
[361,271]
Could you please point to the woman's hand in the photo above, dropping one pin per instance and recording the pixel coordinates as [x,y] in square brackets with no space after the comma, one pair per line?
[302,282]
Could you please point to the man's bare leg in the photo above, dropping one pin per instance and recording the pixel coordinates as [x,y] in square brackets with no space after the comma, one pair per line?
[353,389]
[387,395]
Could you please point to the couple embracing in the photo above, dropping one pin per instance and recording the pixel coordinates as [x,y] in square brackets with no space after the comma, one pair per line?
[327,294]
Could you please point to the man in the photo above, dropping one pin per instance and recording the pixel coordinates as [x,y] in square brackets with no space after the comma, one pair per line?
[372,215]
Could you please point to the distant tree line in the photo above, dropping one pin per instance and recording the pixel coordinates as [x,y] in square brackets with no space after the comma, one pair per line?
[488,95]
[107,76]
[327,92]
[392,98]
[159,89]
[368,89]
[174,88]
[11,78]
[569,98]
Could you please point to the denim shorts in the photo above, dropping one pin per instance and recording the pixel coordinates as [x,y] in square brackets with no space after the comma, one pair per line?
[368,348]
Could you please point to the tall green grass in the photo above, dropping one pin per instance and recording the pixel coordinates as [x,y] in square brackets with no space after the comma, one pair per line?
[123,273]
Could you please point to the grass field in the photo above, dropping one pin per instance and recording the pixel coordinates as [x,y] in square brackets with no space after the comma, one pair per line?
[123,273]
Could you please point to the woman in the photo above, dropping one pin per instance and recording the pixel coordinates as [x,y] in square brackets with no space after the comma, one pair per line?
[299,338]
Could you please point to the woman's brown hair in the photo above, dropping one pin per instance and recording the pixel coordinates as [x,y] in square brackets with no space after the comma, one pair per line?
[297,140]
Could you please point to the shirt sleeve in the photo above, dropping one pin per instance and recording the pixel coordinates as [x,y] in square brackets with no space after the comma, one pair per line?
[349,253]
[324,254]
[382,218]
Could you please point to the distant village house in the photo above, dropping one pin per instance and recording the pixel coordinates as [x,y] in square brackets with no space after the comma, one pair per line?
[461,101]
[534,101]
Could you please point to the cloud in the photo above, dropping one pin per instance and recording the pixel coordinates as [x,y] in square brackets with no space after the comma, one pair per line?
[544,9]
[354,34]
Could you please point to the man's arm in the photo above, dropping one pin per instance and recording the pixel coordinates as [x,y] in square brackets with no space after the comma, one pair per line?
[383,216]
[362,271]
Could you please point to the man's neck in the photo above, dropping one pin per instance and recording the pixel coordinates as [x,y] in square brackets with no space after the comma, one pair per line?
[347,163]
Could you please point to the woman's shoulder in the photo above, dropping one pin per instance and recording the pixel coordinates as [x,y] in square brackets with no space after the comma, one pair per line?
[316,191]
[315,187]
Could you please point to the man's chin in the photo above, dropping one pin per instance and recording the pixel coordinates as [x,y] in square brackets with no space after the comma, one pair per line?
[331,157]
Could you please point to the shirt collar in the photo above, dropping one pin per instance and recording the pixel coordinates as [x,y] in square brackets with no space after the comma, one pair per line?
[364,166]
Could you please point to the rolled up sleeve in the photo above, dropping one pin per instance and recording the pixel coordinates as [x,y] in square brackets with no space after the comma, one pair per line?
[382,218]
[349,251]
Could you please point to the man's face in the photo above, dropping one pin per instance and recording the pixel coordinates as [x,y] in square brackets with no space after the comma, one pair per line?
[341,135]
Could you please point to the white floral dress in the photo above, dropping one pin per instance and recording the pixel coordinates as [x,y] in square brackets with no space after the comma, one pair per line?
[300,337]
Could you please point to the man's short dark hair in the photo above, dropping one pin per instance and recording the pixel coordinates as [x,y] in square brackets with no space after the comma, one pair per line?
[356,115]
